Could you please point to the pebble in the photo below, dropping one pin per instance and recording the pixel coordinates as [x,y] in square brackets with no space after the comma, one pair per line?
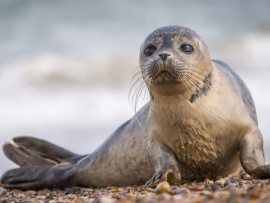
[73,190]
[254,181]
[163,187]
[215,187]
[245,176]
[223,194]
[177,190]
[197,188]
[51,197]
[41,197]
[220,181]
[44,192]
[208,181]
[164,197]
[5,201]
[30,193]
[103,199]
[2,190]
[255,193]
[71,197]
[231,182]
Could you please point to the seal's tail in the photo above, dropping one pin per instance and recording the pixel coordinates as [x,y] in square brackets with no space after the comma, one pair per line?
[30,151]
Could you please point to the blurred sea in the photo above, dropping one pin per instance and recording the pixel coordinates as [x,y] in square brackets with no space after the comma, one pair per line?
[66,66]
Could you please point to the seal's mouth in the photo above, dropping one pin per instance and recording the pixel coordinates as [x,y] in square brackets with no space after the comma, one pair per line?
[163,73]
[163,76]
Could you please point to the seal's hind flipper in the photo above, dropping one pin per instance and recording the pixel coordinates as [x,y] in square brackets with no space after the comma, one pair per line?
[38,177]
[44,148]
[25,157]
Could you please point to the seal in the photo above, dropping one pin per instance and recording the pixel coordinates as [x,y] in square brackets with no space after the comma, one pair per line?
[200,123]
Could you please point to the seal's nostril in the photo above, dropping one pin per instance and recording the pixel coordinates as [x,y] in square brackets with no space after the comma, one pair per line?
[163,56]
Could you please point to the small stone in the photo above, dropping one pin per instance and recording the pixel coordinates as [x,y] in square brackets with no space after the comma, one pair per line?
[206,193]
[51,197]
[126,199]
[164,197]
[73,190]
[85,194]
[87,190]
[208,181]
[144,192]
[41,197]
[223,194]
[197,200]
[147,198]
[30,193]
[118,196]
[163,187]
[211,182]
[215,187]
[176,189]
[197,188]
[255,193]
[231,182]
[103,199]
[5,201]
[44,192]
[242,182]
[245,176]
[20,197]
[220,181]
[15,192]
[2,190]
[254,181]
[71,197]
[177,197]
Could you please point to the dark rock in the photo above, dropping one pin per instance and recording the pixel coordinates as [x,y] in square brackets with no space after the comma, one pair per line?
[5,201]
[231,182]
[215,187]
[73,190]
[30,193]
[176,189]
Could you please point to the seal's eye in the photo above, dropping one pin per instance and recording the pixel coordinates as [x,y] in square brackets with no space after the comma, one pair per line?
[186,48]
[149,50]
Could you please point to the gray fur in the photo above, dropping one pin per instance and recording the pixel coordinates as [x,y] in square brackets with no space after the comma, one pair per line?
[243,89]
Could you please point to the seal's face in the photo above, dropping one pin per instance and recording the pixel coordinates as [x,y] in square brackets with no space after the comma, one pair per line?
[173,55]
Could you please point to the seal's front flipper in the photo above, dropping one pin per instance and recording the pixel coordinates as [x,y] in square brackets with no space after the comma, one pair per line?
[168,175]
[252,155]
[44,148]
[27,178]
[165,165]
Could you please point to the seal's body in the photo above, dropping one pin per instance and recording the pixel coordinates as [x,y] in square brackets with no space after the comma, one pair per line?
[200,123]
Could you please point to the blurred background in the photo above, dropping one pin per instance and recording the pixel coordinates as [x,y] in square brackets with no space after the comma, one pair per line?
[66,66]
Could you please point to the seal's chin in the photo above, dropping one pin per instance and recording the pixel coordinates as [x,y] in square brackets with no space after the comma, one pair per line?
[164,76]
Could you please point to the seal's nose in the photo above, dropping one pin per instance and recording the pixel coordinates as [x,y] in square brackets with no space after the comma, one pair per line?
[163,56]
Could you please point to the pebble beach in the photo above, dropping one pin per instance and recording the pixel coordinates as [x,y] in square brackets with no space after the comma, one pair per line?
[232,190]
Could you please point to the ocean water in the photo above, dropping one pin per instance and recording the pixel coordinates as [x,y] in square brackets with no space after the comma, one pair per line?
[66,66]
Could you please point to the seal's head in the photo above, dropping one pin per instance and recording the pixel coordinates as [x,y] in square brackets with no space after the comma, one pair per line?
[173,59]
